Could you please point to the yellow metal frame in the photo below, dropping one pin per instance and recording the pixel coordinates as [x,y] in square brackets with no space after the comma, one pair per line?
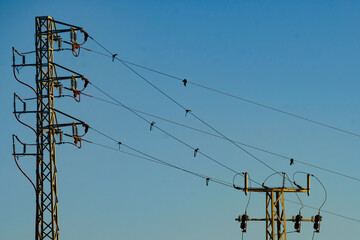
[275,208]
[48,131]
[47,226]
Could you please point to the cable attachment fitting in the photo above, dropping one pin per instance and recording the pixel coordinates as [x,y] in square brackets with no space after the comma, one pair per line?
[207,181]
[184,82]
[297,185]
[75,134]
[59,87]
[119,143]
[317,221]
[243,221]
[195,151]
[18,113]
[76,94]
[21,55]
[23,103]
[59,41]
[86,35]
[73,35]
[297,225]
[86,82]
[75,46]
[24,152]
[114,57]
[151,125]
[75,49]
[77,140]
[187,111]
[74,89]
[86,126]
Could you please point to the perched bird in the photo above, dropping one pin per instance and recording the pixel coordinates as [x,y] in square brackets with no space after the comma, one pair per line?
[185,82]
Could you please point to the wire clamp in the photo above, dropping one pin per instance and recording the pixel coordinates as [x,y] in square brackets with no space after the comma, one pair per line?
[74,50]
[86,126]
[207,181]
[113,57]
[195,151]
[86,82]
[151,125]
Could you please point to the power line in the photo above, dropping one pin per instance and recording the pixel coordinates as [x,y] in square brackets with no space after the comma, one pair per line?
[161,162]
[243,99]
[187,110]
[244,144]
[145,154]
[165,132]
[326,211]
[222,182]
[230,95]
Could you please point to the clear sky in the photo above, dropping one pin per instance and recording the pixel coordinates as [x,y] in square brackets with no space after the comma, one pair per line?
[299,56]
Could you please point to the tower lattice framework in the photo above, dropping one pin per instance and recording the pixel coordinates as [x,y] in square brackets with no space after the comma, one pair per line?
[47,225]
[49,133]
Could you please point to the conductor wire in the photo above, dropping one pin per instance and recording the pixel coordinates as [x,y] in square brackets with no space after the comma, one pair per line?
[158,161]
[190,112]
[228,94]
[163,131]
[17,164]
[218,136]
[325,192]
[113,139]
[181,106]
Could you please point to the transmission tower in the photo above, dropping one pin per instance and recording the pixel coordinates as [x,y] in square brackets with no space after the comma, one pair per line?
[48,40]
[275,219]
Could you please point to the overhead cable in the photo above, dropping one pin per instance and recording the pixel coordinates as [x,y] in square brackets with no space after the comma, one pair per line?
[161,162]
[222,182]
[242,143]
[185,81]
[165,132]
[187,110]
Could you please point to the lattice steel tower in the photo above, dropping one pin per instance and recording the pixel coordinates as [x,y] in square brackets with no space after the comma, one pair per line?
[48,131]
[47,200]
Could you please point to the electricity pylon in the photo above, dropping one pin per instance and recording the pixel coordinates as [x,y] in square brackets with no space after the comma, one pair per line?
[48,131]
[275,219]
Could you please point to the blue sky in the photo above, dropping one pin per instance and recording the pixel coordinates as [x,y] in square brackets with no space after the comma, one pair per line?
[298,56]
